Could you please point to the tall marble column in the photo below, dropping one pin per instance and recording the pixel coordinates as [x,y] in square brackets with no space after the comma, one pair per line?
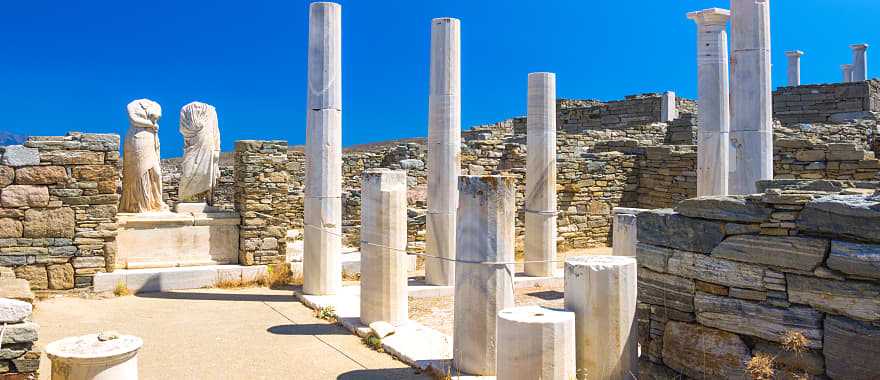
[383,247]
[860,62]
[322,269]
[847,71]
[713,115]
[485,235]
[540,202]
[751,124]
[794,67]
[444,149]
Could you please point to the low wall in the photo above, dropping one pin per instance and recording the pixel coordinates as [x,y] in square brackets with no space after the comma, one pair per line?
[826,102]
[261,198]
[789,273]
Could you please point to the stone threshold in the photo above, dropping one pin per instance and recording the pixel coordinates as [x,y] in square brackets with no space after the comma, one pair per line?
[177,278]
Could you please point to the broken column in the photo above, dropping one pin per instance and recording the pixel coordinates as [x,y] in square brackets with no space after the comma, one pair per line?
[794,67]
[860,62]
[535,343]
[713,107]
[444,149]
[669,108]
[540,202]
[104,356]
[383,247]
[601,291]
[847,71]
[484,271]
[624,234]
[751,124]
[322,269]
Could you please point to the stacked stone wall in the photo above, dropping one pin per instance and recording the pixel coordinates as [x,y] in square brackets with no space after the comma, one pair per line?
[790,273]
[826,102]
[261,198]
[224,191]
[59,204]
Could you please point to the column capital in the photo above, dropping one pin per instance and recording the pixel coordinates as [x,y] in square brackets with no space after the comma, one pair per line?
[710,16]
[858,47]
[794,53]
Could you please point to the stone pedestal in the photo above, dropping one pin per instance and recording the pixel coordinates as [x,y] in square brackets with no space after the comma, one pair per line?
[751,125]
[322,271]
[383,247]
[601,291]
[540,202]
[169,239]
[669,108]
[847,72]
[794,67]
[95,357]
[624,236]
[860,62]
[535,343]
[444,149]
[485,235]
[713,116]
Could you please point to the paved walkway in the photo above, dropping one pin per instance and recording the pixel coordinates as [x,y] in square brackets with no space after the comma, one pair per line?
[254,333]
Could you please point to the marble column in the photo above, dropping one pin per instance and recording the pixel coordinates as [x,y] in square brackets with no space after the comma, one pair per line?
[860,62]
[625,231]
[322,269]
[601,291]
[713,106]
[485,235]
[669,110]
[751,124]
[535,343]
[540,202]
[794,67]
[847,71]
[383,247]
[444,149]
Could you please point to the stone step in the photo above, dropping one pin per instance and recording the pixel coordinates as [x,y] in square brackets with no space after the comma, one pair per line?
[164,279]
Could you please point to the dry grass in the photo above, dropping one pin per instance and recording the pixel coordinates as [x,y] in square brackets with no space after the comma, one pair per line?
[760,366]
[794,341]
[276,275]
[349,276]
[121,289]
[327,313]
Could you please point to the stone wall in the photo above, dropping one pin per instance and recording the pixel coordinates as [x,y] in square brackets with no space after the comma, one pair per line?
[790,273]
[826,102]
[261,197]
[59,204]
[20,357]
[224,192]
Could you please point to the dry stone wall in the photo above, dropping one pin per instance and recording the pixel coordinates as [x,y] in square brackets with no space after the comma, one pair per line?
[827,102]
[792,273]
[224,191]
[261,198]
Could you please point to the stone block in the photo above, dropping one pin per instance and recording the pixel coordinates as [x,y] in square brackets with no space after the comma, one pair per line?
[88,262]
[861,260]
[24,196]
[10,228]
[704,353]
[60,276]
[717,271]
[669,229]
[727,208]
[18,155]
[14,311]
[40,175]
[851,349]
[25,332]
[855,216]
[535,343]
[27,363]
[783,251]
[34,274]
[16,288]
[854,299]
[94,172]
[666,290]
[7,175]
[652,256]
[57,223]
[808,361]
[73,157]
[755,319]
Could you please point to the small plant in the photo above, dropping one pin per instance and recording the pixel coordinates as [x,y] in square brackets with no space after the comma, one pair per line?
[760,366]
[794,341]
[327,313]
[276,275]
[374,342]
[121,289]
[229,283]
[351,276]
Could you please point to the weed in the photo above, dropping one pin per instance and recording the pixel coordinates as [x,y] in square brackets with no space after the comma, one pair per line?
[276,275]
[760,366]
[229,284]
[794,341]
[121,289]
[327,313]
[374,342]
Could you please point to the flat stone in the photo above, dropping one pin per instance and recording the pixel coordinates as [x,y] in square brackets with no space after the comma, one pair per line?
[755,319]
[16,288]
[381,329]
[88,262]
[783,251]
[666,290]
[847,215]
[410,164]
[14,311]
[7,175]
[717,271]
[34,274]
[25,332]
[40,175]
[703,353]
[24,196]
[60,276]
[862,260]
[851,349]
[731,208]
[858,300]
[19,155]
[94,172]
[10,228]
[27,363]
[652,256]
[669,229]
[56,223]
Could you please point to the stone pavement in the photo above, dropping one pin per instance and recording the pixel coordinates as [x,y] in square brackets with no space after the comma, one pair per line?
[253,333]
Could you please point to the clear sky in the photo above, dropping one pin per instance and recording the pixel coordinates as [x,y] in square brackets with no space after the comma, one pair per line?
[74,65]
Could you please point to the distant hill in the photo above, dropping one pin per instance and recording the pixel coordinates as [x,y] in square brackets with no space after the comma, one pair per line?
[9,138]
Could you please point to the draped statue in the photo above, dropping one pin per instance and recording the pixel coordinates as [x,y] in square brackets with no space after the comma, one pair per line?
[200,168]
[141,171]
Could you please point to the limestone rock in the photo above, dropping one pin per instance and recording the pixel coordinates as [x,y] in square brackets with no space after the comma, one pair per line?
[755,319]
[27,363]
[382,329]
[10,228]
[16,288]
[669,229]
[862,260]
[40,175]
[716,271]
[851,349]
[7,175]
[858,300]
[18,155]
[40,223]
[14,311]
[666,290]
[652,256]
[60,276]
[35,275]
[728,208]
[704,353]
[848,215]
[780,251]
[24,196]
[20,333]
[652,371]
[410,164]
[93,172]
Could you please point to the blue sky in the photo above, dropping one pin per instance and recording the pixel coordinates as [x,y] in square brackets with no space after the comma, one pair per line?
[73,65]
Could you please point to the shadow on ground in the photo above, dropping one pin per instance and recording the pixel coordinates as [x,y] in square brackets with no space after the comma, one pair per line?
[547,295]
[383,373]
[308,329]
[210,296]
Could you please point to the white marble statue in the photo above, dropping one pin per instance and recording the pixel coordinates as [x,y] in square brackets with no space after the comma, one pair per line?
[141,173]
[200,168]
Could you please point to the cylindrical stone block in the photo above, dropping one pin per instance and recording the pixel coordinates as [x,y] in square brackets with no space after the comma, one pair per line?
[383,247]
[95,357]
[484,271]
[325,56]
[601,291]
[444,150]
[535,343]
[860,62]
[794,67]
[540,201]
